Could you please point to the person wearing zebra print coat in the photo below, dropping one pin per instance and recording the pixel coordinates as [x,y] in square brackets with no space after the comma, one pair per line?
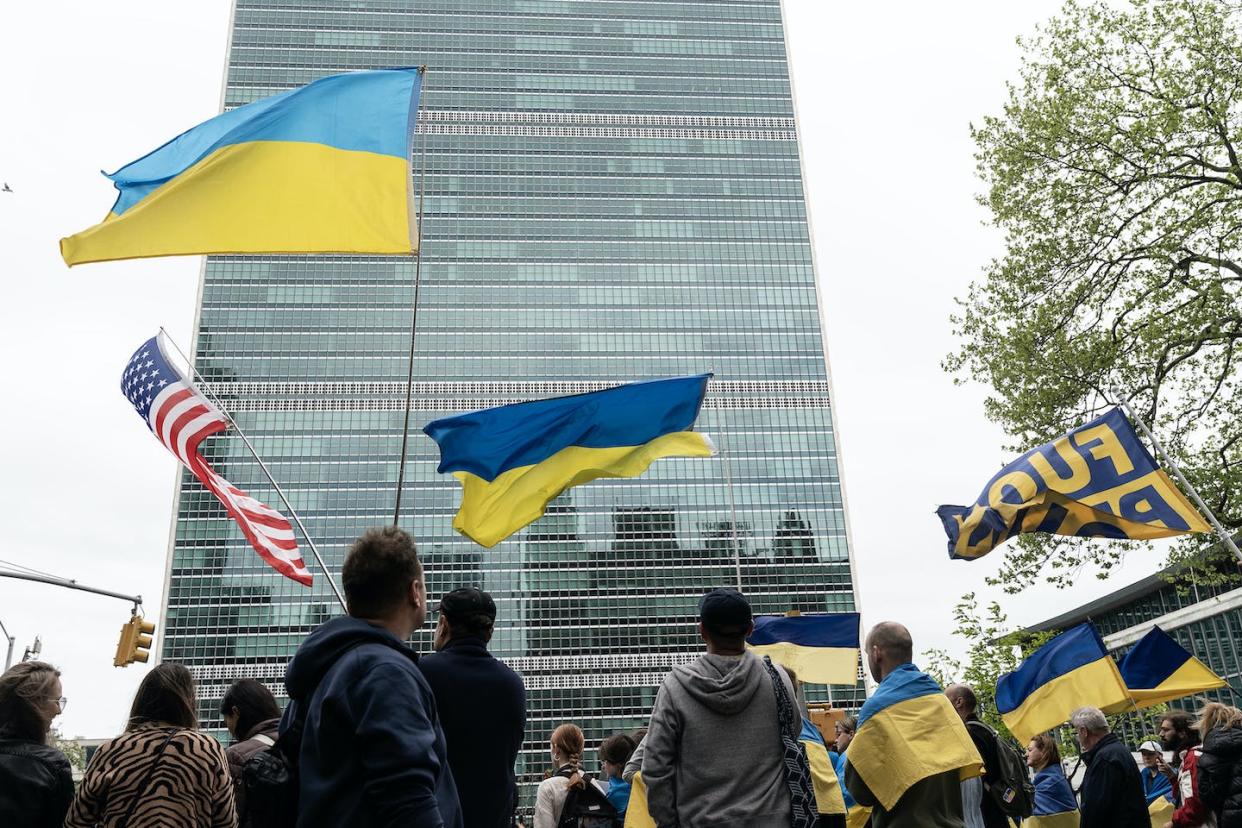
[162,771]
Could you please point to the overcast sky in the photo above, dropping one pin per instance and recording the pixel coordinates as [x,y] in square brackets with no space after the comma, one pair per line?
[885,94]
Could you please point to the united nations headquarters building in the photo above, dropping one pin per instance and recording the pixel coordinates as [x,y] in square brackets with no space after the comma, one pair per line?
[612,192]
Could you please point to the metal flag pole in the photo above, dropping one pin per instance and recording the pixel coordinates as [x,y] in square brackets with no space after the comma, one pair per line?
[206,389]
[1225,537]
[418,267]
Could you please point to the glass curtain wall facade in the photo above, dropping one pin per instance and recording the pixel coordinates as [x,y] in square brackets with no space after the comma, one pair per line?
[613,192]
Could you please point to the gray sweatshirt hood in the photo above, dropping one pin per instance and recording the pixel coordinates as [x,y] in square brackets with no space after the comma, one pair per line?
[724,684]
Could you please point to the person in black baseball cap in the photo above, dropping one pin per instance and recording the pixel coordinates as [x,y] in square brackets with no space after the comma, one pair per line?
[482,706]
[713,751]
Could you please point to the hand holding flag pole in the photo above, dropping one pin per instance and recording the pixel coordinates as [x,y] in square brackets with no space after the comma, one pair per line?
[1226,538]
[202,386]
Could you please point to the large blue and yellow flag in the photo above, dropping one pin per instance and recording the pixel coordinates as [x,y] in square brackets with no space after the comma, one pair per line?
[320,169]
[821,648]
[1096,481]
[1071,671]
[1055,805]
[1158,669]
[513,460]
[908,731]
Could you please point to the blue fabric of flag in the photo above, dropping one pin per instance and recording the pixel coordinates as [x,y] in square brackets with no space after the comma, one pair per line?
[1152,660]
[490,442]
[830,630]
[1074,648]
[373,112]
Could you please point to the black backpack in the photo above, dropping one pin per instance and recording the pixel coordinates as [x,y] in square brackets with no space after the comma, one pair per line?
[1010,787]
[270,777]
[587,807]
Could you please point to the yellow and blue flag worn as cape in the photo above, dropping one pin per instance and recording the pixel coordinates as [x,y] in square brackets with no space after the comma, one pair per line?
[1071,671]
[822,649]
[907,732]
[1158,669]
[513,460]
[1096,481]
[320,169]
[828,798]
[1055,805]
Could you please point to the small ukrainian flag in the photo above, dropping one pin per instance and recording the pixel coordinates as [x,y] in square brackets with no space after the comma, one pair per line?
[513,460]
[324,168]
[1071,671]
[820,648]
[1159,669]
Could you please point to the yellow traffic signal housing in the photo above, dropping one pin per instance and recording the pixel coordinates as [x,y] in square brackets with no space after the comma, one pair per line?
[135,642]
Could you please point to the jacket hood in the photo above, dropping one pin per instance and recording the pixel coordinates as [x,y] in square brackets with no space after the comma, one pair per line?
[725,684]
[324,646]
[1225,743]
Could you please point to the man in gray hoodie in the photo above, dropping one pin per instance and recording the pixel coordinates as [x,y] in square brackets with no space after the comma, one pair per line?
[713,754]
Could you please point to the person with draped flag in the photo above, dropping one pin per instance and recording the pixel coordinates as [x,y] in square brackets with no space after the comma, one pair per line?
[1096,481]
[911,751]
[1055,804]
[1158,669]
[324,168]
[1072,670]
[180,417]
[821,648]
[514,460]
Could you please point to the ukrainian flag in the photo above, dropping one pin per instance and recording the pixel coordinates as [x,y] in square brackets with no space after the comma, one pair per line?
[513,460]
[820,648]
[1071,671]
[320,169]
[828,798]
[1097,481]
[907,732]
[1159,669]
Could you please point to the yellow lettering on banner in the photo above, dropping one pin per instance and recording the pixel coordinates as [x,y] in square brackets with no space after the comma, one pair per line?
[965,528]
[1080,472]
[1025,485]
[1109,446]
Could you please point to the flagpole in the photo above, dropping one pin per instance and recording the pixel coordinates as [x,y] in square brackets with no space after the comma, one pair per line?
[418,266]
[724,460]
[1124,401]
[206,389]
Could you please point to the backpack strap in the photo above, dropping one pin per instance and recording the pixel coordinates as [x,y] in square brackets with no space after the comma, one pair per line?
[146,780]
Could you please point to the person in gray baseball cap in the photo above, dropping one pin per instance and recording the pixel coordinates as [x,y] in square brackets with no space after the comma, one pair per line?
[713,753]
[482,707]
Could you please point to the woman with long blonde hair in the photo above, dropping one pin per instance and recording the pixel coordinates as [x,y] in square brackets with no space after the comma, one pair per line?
[1220,765]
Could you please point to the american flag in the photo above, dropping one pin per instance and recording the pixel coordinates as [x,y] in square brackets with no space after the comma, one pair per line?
[180,417]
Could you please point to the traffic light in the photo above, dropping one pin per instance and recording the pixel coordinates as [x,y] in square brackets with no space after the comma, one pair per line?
[135,642]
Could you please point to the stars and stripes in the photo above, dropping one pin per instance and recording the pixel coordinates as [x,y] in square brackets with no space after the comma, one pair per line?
[180,417]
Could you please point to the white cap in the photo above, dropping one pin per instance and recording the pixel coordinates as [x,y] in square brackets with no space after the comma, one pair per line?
[1150,747]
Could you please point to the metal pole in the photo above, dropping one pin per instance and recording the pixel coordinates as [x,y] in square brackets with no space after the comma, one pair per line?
[68,583]
[1124,401]
[289,507]
[8,658]
[418,267]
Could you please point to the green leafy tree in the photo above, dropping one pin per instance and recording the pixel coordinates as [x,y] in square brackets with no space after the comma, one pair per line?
[1114,173]
[993,650]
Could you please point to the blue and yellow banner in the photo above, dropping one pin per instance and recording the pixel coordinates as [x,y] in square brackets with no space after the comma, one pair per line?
[1071,671]
[320,169]
[828,798]
[513,460]
[821,648]
[1096,481]
[1158,669]
[907,732]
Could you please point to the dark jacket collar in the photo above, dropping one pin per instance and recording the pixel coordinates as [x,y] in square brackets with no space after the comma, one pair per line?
[467,645]
[1089,755]
[268,726]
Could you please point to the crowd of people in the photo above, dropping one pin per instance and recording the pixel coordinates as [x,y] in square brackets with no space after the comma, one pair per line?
[376,735]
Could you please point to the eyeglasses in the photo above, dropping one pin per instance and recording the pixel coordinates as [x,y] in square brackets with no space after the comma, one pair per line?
[61,703]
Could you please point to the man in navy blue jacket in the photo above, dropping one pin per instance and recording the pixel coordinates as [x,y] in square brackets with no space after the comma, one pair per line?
[482,707]
[372,749]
